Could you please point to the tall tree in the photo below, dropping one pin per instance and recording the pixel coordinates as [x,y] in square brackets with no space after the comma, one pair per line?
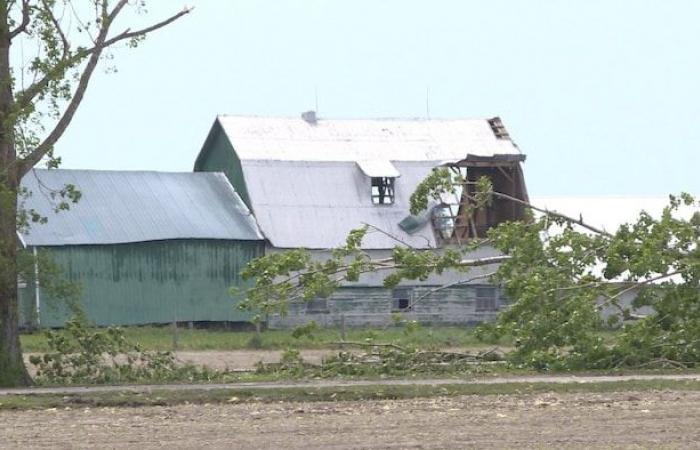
[68,40]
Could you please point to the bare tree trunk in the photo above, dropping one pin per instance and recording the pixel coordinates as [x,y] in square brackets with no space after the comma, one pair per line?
[12,369]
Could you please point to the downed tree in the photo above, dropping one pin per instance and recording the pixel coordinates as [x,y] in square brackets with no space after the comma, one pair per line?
[559,271]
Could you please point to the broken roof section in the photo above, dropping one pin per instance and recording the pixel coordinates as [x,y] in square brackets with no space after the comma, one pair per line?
[136,206]
[293,139]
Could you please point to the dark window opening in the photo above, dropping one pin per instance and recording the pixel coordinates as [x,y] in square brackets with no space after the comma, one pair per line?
[401,299]
[382,190]
[317,305]
[486,299]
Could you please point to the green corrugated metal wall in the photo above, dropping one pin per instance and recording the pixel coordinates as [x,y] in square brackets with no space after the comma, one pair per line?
[218,156]
[151,282]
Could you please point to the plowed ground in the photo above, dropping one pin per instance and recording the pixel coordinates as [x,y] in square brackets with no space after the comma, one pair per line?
[621,420]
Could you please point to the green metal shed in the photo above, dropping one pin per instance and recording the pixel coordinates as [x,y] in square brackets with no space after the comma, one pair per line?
[146,247]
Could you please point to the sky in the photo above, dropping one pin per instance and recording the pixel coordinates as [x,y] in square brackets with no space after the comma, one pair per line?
[602,96]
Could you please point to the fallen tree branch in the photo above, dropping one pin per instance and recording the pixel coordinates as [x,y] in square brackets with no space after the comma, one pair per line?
[370,344]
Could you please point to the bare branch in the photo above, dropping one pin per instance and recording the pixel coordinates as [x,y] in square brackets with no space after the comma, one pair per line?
[578,221]
[389,235]
[127,34]
[102,42]
[638,284]
[369,344]
[22,27]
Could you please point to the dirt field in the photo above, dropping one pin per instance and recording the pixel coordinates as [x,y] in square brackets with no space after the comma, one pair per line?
[621,420]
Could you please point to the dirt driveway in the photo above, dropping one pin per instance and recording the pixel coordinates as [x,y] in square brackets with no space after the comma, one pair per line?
[620,420]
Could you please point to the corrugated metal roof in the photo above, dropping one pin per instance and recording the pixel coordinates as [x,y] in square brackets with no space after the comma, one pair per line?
[136,206]
[314,204]
[294,139]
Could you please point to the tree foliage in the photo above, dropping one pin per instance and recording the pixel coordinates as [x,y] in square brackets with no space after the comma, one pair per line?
[559,272]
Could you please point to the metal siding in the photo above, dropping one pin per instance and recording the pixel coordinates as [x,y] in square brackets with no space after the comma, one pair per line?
[126,206]
[154,282]
[316,204]
[219,156]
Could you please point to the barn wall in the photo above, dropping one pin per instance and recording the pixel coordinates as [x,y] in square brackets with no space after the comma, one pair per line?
[372,306]
[218,155]
[152,282]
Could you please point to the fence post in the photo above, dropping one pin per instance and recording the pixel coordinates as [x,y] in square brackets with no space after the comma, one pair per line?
[175,335]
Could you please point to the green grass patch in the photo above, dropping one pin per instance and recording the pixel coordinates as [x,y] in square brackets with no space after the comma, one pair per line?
[311,394]
[162,339]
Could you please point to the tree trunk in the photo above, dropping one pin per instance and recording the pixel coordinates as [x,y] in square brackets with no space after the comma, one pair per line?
[12,369]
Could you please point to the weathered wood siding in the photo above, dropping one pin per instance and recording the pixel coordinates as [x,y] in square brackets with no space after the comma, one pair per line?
[372,306]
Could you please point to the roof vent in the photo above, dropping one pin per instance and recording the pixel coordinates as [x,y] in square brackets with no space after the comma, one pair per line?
[498,128]
[309,117]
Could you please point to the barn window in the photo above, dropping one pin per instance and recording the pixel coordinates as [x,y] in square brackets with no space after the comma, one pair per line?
[383,190]
[317,305]
[401,299]
[486,299]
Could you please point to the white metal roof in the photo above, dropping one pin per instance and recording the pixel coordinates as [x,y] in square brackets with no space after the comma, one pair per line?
[136,206]
[314,204]
[294,139]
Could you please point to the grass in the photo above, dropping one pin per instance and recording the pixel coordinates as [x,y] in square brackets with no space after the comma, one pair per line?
[162,339]
[311,394]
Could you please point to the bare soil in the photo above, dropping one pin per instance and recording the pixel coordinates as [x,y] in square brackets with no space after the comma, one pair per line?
[620,420]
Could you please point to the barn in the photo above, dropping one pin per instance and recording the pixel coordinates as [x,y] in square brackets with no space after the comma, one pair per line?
[309,181]
[145,247]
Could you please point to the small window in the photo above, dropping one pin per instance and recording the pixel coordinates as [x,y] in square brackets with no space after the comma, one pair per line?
[383,190]
[401,299]
[444,221]
[317,305]
[486,299]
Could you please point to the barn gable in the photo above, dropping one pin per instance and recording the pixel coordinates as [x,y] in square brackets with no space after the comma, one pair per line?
[309,181]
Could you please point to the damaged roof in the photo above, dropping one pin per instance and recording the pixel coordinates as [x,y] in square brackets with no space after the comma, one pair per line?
[136,206]
[309,180]
[295,139]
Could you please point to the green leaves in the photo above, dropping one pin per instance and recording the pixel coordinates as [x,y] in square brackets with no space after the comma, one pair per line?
[560,279]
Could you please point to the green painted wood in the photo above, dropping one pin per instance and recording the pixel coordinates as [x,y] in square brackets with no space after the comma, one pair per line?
[153,282]
[218,155]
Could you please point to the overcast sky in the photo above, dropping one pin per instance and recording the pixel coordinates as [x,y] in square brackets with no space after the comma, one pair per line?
[603,96]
